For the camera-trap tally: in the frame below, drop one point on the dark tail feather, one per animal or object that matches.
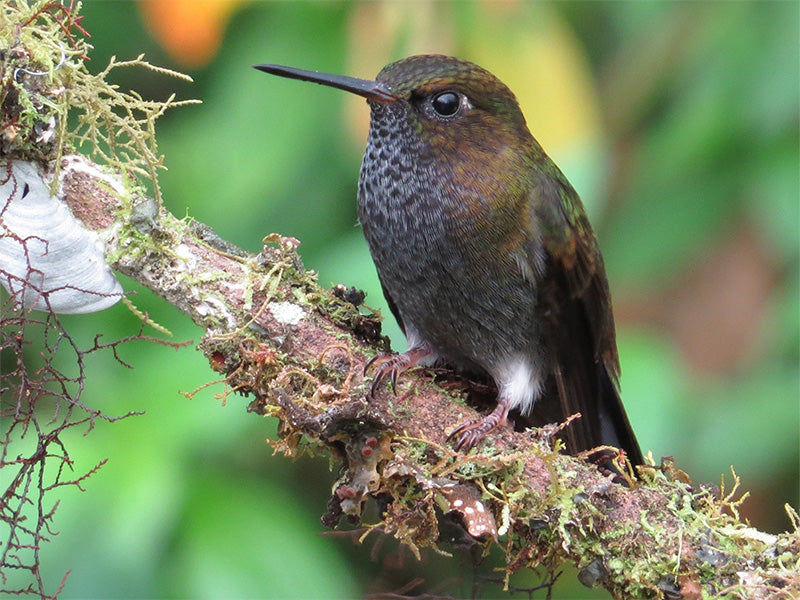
(614, 425)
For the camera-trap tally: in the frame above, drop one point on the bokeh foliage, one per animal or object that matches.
(678, 124)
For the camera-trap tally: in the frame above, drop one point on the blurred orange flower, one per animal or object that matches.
(189, 30)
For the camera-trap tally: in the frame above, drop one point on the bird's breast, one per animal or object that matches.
(445, 260)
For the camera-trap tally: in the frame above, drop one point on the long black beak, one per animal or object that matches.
(372, 90)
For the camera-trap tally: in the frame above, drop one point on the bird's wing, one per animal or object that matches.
(575, 306)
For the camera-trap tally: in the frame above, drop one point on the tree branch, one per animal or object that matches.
(300, 351)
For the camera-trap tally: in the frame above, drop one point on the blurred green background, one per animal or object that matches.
(678, 124)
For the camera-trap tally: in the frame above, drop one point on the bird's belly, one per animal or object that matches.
(472, 311)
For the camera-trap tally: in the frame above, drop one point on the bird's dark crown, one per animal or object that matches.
(423, 75)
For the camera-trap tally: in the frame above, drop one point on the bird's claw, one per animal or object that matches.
(467, 435)
(392, 365)
(387, 364)
(470, 433)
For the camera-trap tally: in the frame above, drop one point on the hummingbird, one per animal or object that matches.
(484, 251)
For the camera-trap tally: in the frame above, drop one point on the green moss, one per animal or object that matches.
(45, 81)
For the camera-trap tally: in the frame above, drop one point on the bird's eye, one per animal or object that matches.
(446, 104)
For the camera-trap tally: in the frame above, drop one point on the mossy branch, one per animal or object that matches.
(299, 352)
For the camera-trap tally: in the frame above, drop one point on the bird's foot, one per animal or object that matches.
(467, 435)
(610, 462)
(392, 365)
